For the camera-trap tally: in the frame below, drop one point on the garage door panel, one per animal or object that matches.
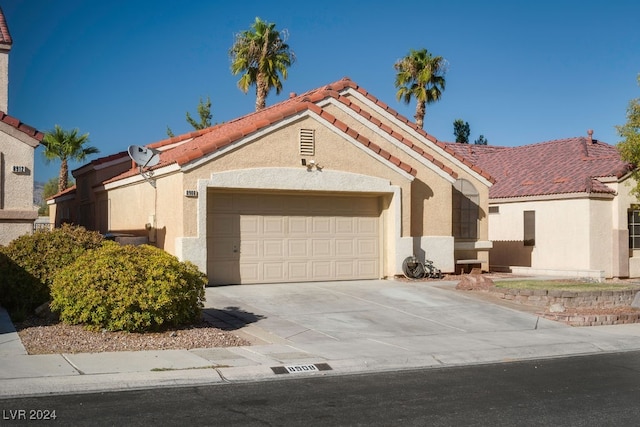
(250, 248)
(298, 248)
(273, 248)
(367, 225)
(249, 272)
(298, 271)
(366, 268)
(321, 225)
(345, 225)
(224, 225)
(345, 247)
(299, 225)
(345, 269)
(367, 247)
(273, 225)
(321, 270)
(320, 248)
(273, 271)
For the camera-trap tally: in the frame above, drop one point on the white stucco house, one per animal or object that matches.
(332, 184)
(18, 142)
(561, 207)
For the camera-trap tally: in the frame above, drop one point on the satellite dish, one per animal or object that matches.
(143, 156)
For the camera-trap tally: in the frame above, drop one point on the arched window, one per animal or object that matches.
(466, 200)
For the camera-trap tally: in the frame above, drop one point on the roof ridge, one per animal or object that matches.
(5, 35)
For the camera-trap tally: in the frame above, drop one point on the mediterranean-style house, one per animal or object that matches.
(331, 184)
(561, 207)
(18, 142)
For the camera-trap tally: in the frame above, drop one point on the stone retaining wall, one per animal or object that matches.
(546, 298)
(568, 305)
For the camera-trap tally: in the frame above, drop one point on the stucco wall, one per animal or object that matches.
(562, 232)
(135, 208)
(17, 210)
(17, 188)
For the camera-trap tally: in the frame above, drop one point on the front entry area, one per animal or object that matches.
(293, 237)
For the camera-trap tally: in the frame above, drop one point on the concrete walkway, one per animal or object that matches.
(319, 329)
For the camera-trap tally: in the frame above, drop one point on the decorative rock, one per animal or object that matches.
(557, 308)
(474, 282)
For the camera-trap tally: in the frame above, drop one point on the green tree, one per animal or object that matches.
(64, 145)
(481, 140)
(50, 188)
(262, 56)
(461, 131)
(420, 75)
(204, 112)
(629, 147)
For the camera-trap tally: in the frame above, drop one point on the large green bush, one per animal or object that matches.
(28, 264)
(130, 288)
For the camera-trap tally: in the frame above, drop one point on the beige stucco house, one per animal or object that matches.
(328, 185)
(561, 207)
(18, 142)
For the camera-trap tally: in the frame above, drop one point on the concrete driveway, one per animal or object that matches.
(424, 323)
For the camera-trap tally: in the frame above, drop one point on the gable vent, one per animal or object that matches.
(307, 142)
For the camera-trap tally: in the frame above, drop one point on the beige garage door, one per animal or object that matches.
(271, 238)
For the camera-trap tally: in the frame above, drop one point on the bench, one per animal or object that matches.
(467, 265)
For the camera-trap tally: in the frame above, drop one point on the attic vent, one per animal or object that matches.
(307, 142)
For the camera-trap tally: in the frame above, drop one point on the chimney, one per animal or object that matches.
(590, 133)
(292, 95)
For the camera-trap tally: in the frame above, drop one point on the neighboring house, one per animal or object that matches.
(329, 185)
(17, 147)
(561, 207)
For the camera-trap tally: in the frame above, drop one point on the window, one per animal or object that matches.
(529, 228)
(465, 210)
(307, 142)
(633, 221)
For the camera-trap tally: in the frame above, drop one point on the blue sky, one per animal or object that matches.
(520, 72)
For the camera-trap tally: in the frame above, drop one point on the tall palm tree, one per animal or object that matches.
(262, 55)
(66, 145)
(420, 75)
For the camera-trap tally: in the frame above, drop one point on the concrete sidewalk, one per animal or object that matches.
(324, 328)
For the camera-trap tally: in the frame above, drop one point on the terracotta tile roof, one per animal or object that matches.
(186, 148)
(5, 36)
(63, 192)
(555, 167)
(22, 127)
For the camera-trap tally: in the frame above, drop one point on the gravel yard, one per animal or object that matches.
(44, 336)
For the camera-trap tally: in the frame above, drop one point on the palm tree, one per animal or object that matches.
(262, 55)
(66, 145)
(421, 76)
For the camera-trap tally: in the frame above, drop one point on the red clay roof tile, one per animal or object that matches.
(5, 36)
(555, 167)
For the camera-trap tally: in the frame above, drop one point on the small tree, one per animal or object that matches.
(204, 112)
(461, 131)
(481, 140)
(50, 188)
(629, 147)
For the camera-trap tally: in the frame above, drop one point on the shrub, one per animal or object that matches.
(20, 292)
(130, 288)
(30, 262)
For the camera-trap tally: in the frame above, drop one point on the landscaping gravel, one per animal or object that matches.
(45, 336)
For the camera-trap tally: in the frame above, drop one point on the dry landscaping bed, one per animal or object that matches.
(45, 335)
